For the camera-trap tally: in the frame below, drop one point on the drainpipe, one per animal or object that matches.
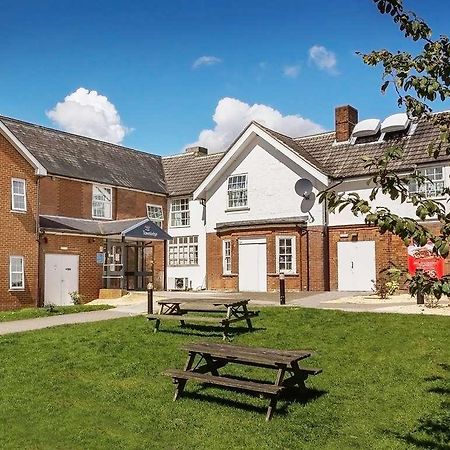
(39, 265)
(326, 240)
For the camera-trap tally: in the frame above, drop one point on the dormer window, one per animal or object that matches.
(101, 202)
(433, 186)
(237, 191)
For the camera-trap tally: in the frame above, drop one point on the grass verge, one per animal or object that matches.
(385, 385)
(32, 313)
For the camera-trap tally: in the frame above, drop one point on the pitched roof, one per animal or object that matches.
(186, 171)
(345, 160)
(80, 157)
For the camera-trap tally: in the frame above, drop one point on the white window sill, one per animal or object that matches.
(17, 290)
(290, 274)
(20, 211)
(183, 265)
(230, 274)
(101, 218)
(240, 208)
(179, 226)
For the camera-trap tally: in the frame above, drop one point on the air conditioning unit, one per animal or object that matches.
(178, 284)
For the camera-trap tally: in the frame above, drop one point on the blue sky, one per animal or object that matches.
(140, 55)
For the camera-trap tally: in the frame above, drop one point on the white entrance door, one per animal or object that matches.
(253, 265)
(356, 265)
(61, 277)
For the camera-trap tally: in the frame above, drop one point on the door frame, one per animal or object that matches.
(58, 253)
(252, 241)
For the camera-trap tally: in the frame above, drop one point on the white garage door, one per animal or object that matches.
(252, 265)
(356, 265)
(61, 277)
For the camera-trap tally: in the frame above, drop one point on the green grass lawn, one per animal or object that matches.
(385, 385)
(31, 313)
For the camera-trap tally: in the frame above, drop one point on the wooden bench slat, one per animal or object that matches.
(185, 317)
(311, 370)
(245, 385)
(247, 354)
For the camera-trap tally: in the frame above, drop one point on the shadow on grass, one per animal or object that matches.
(290, 396)
(190, 329)
(432, 432)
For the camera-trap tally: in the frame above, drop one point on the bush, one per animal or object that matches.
(77, 298)
(388, 282)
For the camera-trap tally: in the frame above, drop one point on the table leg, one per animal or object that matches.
(182, 383)
(212, 366)
(226, 329)
(157, 323)
(274, 399)
(248, 320)
(298, 376)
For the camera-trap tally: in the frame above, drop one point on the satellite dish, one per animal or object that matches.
(308, 203)
(303, 187)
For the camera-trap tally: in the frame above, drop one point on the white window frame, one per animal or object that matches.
(157, 219)
(231, 203)
(226, 257)
(183, 251)
(103, 202)
(180, 214)
(22, 273)
(13, 195)
(437, 184)
(293, 269)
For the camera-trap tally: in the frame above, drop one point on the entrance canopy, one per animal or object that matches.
(139, 229)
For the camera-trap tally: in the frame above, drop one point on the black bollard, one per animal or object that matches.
(282, 290)
(420, 298)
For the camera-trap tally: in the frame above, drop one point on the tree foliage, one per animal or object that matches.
(418, 80)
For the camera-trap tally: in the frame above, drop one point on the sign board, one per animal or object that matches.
(423, 258)
(100, 257)
(148, 231)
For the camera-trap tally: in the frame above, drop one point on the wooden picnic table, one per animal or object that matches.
(212, 357)
(222, 312)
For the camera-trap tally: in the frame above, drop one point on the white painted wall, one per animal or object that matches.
(271, 195)
(362, 187)
(196, 274)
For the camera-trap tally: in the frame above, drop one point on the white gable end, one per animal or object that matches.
(271, 176)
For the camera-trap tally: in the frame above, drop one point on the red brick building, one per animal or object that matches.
(75, 216)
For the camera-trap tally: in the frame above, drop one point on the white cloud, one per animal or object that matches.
(323, 58)
(206, 61)
(90, 114)
(232, 116)
(291, 71)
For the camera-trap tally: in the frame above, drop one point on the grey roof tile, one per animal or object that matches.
(80, 157)
(186, 171)
(345, 160)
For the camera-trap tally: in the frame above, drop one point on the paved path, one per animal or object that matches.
(18, 326)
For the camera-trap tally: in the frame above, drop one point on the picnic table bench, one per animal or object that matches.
(212, 357)
(222, 312)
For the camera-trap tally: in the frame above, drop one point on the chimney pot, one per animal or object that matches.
(197, 151)
(346, 117)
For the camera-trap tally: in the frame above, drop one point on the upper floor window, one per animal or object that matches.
(432, 186)
(286, 254)
(155, 214)
(179, 213)
(227, 257)
(16, 273)
(183, 251)
(18, 195)
(237, 191)
(101, 202)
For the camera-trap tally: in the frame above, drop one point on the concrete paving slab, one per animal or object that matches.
(18, 326)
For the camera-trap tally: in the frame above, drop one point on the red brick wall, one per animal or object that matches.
(90, 273)
(18, 229)
(71, 198)
(389, 250)
(314, 270)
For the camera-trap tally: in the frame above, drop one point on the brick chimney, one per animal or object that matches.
(346, 117)
(197, 151)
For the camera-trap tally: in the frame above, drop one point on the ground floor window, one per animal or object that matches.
(183, 251)
(226, 257)
(16, 273)
(286, 254)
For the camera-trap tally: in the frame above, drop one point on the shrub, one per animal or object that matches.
(77, 298)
